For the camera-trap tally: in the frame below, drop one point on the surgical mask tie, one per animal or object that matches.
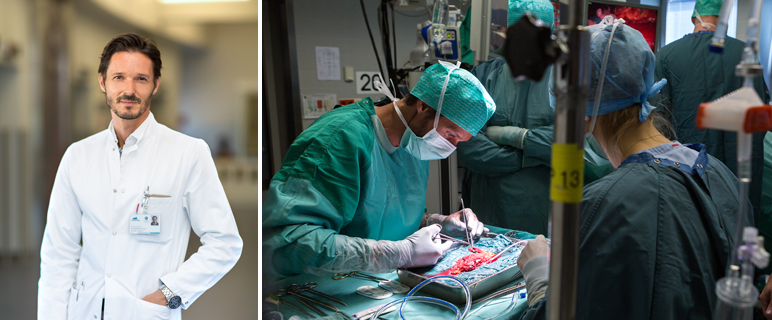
(703, 24)
(432, 146)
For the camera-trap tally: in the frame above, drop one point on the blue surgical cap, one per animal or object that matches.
(466, 102)
(629, 71)
(542, 9)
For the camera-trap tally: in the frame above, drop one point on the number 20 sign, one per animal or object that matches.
(366, 81)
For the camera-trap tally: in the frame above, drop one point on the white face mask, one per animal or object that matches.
(432, 146)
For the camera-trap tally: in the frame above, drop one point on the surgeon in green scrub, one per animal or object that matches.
(695, 76)
(655, 235)
(351, 192)
(507, 166)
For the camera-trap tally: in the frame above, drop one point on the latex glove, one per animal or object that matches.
(510, 135)
(423, 248)
(535, 268)
(453, 225)
(534, 248)
(766, 298)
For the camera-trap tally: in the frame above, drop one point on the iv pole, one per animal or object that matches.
(529, 50)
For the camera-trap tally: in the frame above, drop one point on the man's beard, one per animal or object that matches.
(128, 115)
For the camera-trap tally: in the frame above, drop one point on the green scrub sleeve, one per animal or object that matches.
(484, 156)
(537, 146)
(310, 247)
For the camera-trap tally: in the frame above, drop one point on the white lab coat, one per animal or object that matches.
(95, 193)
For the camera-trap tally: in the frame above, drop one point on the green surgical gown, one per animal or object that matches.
(506, 186)
(653, 241)
(338, 179)
(695, 75)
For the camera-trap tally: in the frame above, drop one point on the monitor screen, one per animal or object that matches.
(641, 19)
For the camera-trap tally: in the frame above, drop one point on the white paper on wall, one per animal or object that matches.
(328, 63)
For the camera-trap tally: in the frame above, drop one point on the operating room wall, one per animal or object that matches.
(339, 23)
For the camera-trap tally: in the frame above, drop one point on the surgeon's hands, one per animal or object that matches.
(535, 248)
(424, 247)
(765, 298)
(454, 226)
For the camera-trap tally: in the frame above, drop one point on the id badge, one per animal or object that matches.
(145, 224)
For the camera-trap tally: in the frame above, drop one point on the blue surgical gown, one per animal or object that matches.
(695, 75)
(654, 239)
(338, 177)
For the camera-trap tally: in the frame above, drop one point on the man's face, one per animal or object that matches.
(128, 84)
(424, 122)
(155, 219)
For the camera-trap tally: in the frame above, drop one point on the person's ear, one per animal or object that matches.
(102, 82)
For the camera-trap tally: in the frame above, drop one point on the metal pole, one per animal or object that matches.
(572, 80)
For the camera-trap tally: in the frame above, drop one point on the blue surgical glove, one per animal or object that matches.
(509, 135)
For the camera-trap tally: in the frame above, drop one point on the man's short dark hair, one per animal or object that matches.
(131, 42)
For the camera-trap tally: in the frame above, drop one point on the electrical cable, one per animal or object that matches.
(415, 16)
(394, 42)
(370, 32)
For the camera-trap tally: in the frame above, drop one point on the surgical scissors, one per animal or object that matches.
(295, 292)
(309, 287)
(358, 275)
(279, 301)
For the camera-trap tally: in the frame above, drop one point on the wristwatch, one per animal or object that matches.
(172, 301)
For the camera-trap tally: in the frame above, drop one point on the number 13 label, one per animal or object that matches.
(567, 177)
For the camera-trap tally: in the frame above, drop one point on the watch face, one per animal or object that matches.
(175, 302)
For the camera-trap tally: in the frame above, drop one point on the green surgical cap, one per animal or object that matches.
(466, 102)
(542, 9)
(707, 7)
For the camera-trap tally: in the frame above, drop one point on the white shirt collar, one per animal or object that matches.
(136, 136)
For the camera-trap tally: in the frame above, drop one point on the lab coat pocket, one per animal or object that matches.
(149, 310)
(164, 209)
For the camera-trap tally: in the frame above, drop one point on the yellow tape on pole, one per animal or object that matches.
(567, 173)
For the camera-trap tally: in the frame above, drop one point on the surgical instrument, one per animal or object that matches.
(499, 293)
(359, 275)
(466, 223)
(279, 301)
(309, 299)
(505, 250)
(449, 238)
(309, 287)
(283, 292)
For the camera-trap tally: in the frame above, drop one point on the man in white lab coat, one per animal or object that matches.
(107, 188)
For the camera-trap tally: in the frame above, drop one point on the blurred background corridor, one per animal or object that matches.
(50, 98)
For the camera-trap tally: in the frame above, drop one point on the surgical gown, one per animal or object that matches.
(695, 75)
(506, 186)
(654, 239)
(339, 178)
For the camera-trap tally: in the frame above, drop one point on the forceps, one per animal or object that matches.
(466, 224)
(309, 287)
(358, 275)
(293, 291)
